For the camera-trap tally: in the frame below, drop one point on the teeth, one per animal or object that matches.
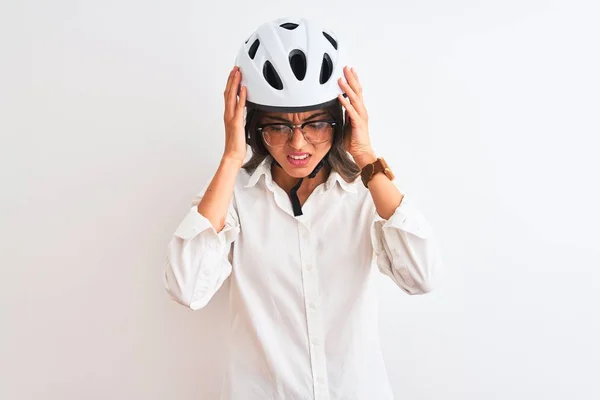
(299, 157)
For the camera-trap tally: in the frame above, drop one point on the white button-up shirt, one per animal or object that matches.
(304, 311)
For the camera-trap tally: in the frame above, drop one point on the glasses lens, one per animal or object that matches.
(314, 132)
(276, 135)
(318, 132)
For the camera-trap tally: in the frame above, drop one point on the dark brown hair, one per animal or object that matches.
(338, 158)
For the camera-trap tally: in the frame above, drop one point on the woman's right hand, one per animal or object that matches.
(235, 135)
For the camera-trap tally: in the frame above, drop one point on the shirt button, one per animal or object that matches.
(320, 380)
(312, 305)
(308, 267)
(315, 341)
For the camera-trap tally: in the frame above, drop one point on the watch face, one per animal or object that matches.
(386, 169)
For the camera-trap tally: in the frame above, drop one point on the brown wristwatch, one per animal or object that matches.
(369, 170)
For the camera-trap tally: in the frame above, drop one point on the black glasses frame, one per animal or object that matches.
(260, 129)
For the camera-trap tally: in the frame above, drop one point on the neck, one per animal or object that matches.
(286, 182)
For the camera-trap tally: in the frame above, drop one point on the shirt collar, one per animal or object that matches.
(334, 177)
(264, 168)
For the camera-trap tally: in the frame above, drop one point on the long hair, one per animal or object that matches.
(338, 158)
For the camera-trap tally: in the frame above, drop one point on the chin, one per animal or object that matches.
(299, 172)
(295, 171)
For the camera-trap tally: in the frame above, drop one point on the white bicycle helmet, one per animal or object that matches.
(291, 65)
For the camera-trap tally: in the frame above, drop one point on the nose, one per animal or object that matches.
(297, 140)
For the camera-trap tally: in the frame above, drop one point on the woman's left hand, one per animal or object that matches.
(356, 133)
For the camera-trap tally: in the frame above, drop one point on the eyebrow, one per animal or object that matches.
(287, 120)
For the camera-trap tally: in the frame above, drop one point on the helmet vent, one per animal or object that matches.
(298, 63)
(326, 69)
(272, 76)
(253, 48)
(331, 40)
(289, 26)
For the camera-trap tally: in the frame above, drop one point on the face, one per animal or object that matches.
(299, 157)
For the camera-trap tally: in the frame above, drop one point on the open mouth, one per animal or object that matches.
(299, 159)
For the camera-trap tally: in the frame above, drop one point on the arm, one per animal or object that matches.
(198, 254)
(218, 194)
(404, 246)
(386, 195)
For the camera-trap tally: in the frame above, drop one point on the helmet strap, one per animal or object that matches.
(294, 191)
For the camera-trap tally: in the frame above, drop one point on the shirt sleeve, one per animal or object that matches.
(405, 248)
(198, 257)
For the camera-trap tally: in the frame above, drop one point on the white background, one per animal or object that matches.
(111, 121)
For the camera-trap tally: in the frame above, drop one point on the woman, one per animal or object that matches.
(294, 228)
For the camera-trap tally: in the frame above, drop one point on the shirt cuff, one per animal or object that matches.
(407, 218)
(195, 223)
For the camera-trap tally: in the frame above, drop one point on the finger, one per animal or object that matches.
(229, 81)
(351, 79)
(354, 98)
(228, 114)
(357, 82)
(357, 88)
(242, 102)
(232, 95)
(350, 110)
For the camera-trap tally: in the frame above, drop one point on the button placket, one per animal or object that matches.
(310, 285)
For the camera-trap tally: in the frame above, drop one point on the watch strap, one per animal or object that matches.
(369, 171)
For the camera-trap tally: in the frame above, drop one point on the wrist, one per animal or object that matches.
(233, 161)
(364, 159)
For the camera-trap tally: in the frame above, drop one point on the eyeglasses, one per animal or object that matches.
(315, 132)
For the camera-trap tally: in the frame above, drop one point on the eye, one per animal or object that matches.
(277, 128)
(319, 125)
